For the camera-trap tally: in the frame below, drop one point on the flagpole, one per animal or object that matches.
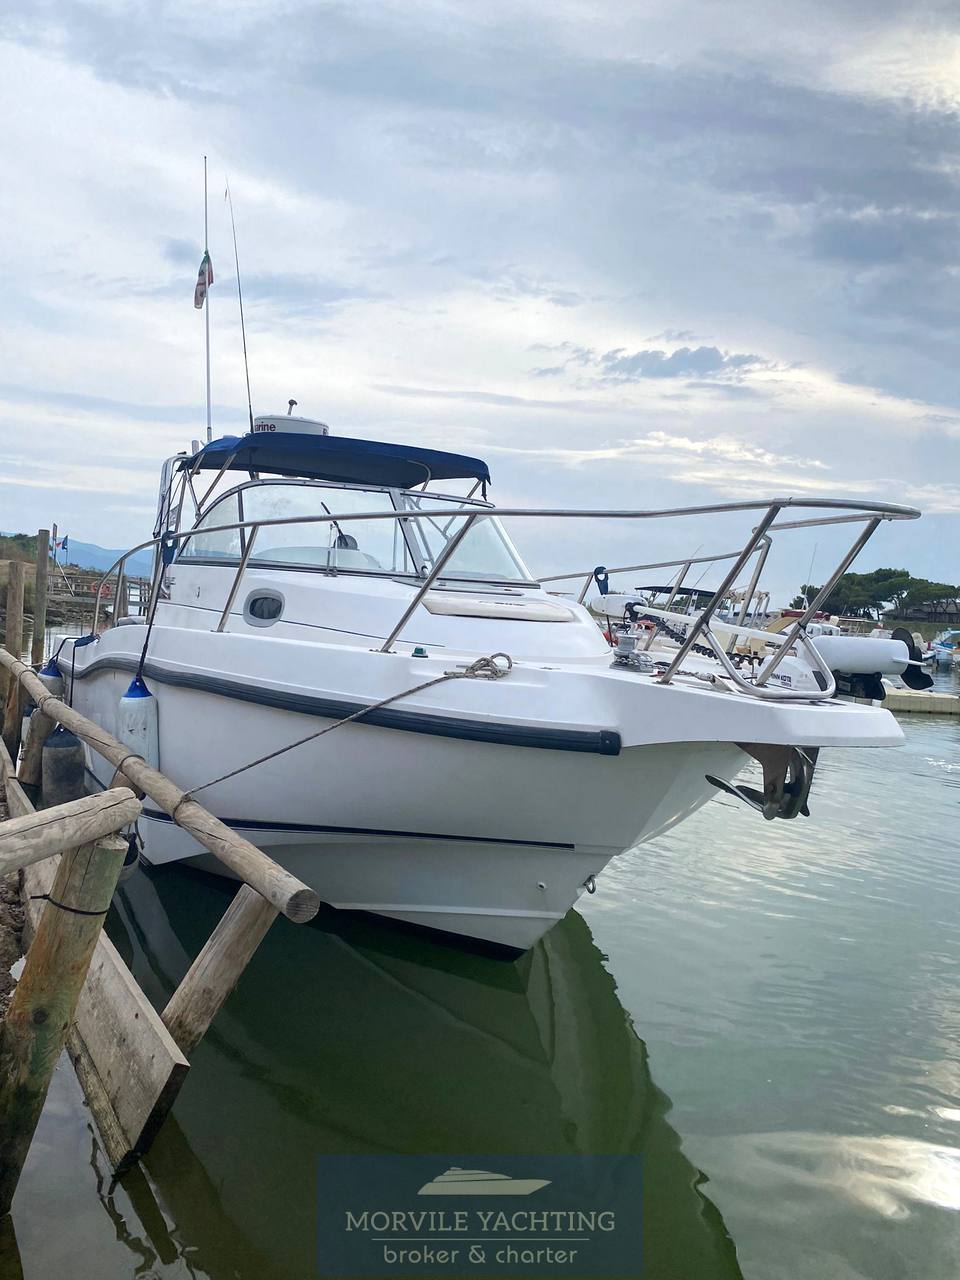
(206, 298)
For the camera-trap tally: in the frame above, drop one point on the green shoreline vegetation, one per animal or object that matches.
(887, 594)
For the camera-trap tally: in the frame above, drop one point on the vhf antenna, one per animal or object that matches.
(243, 332)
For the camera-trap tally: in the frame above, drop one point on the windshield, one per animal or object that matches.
(225, 545)
(363, 546)
(371, 546)
(486, 553)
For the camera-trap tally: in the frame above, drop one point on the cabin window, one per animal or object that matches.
(215, 546)
(263, 608)
(365, 546)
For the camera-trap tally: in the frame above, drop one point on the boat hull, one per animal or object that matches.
(482, 807)
(486, 841)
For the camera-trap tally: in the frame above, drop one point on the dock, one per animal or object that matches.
(74, 991)
(927, 702)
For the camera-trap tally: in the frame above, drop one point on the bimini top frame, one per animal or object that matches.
(842, 511)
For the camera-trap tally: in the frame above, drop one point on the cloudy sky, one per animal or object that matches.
(635, 256)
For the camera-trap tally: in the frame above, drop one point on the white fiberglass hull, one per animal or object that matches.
(417, 855)
(489, 842)
(478, 809)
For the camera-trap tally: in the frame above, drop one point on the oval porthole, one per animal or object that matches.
(263, 608)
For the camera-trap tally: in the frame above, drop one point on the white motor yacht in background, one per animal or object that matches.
(319, 576)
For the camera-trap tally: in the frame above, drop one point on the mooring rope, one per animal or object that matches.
(62, 906)
(483, 669)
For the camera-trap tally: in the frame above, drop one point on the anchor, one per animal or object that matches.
(787, 777)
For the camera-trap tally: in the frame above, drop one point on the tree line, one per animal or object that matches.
(885, 591)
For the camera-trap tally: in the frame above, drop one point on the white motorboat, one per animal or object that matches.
(945, 648)
(333, 582)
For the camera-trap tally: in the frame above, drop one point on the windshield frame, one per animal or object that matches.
(412, 498)
(402, 499)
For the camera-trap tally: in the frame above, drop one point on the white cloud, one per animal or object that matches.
(432, 200)
(663, 446)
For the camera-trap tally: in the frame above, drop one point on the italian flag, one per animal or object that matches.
(204, 280)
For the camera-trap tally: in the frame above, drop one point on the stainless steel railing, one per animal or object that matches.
(758, 543)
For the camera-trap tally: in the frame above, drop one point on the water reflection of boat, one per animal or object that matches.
(357, 1037)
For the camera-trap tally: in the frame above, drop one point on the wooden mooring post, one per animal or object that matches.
(35, 1029)
(40, 597)
(13, 639)
(217, 969)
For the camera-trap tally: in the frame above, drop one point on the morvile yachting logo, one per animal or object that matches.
(479, 1182)
(466, 1216)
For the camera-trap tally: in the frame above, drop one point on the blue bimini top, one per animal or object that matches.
(337, 458)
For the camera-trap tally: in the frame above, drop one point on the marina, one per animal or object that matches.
(480, 642)
(133, 1045)
(333, 586)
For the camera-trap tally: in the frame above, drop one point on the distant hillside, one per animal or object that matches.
(18, 546)
(85, 555)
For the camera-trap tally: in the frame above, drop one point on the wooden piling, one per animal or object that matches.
(40, 597)
(120, 598)
(31, 759)
(44, 1003)
(128, 1066)
(217, 969)
(13, 639)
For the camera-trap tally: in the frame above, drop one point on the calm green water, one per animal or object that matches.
(796, 1091)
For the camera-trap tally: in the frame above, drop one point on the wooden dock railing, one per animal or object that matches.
(129, 1058)
(34, 1031)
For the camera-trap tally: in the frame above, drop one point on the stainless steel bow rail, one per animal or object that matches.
(841, 511)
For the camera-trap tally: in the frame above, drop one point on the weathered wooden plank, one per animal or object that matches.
(114, 1140)
(36, 1024)
(137, 1061)
(36, 836)
(217, 969)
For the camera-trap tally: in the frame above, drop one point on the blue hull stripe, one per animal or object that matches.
(603, 742)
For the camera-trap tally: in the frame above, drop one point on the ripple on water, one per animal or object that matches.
(797, 984)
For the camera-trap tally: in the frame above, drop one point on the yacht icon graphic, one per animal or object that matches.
(480, 1182)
